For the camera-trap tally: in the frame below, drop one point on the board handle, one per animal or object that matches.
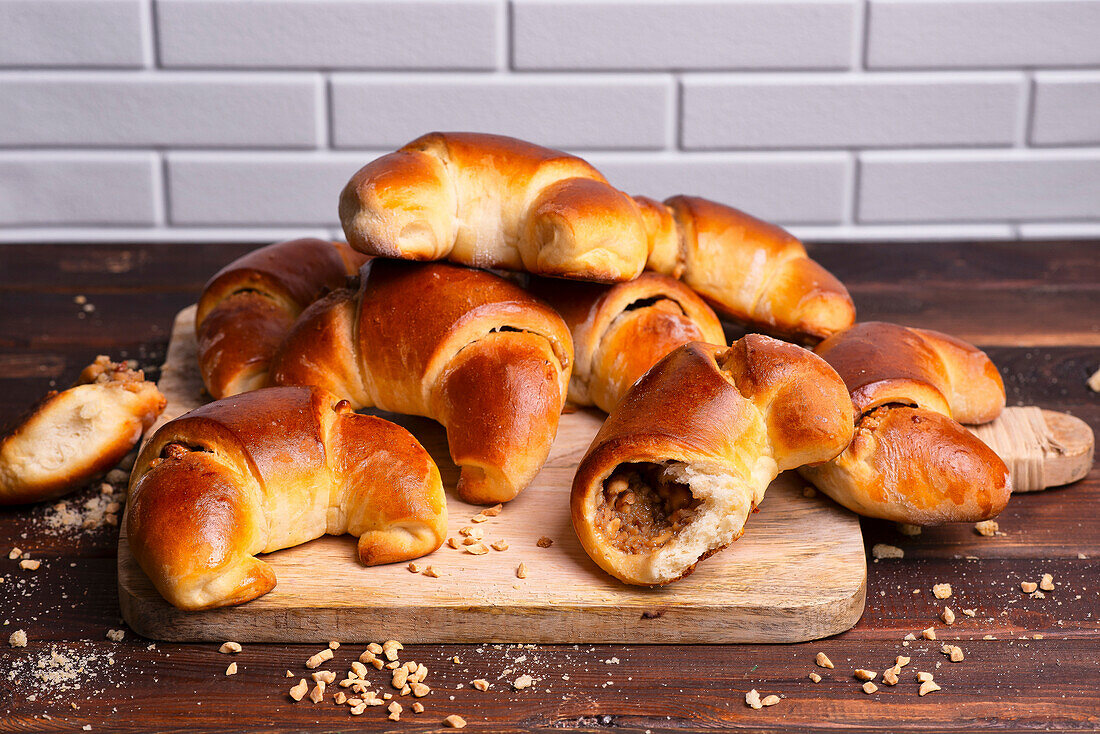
(1042, 448)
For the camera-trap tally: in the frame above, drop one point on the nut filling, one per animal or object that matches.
(641, 508)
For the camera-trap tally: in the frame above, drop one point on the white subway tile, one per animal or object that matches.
(982, 33)
(1066, 107)
(591, 111)
(72, 33)
(54, 188)
(164, 108)
(929, 186)
(783, 34)
(781, 187)
(867, 110)
(464, 34)
(259, 189)
(905, 233)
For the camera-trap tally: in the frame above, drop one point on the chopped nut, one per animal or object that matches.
(884, 550)
(1028, 586)
(524, 681)
(414, 568)
(890, 677)
(910, 636)
(417, 707)
(521, 571)
(421, 673)
(358, 709)
(481, 684)
(863, 674)
(420, 689)
(823, 661)
(910, 530)
(232, 669)
(480, 517)
(954, 652)
(452, 542)
(771, 700)
(366, 657)
(299, 691)
(752, 698)
(929, 634)
(948, 616)
(378, 663)
(14, 553)
(339, 698)
(288, 675)
(333, 645)
(500, 545)
(544, 542)
(116, 635)
(318, 692)
(321, 657)
(394, 708)
(970, 612)
(399, 677)
(924, 677)
(410, 667)
(28, 565)
(230, 648)
(988, 528)
(942, 591)
(455, 721)
(374, 648)
(928, 687)
(477, 549)
(869, 687)
(325, 676)
(392, 665)
(390, 648)
(359, 668)
(492, 511)
(430, 571)
(815, 677)
(470, 541)
(405, 689)
(1047, 582)
(901, 661)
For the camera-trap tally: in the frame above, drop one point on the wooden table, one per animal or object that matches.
(1034, 306)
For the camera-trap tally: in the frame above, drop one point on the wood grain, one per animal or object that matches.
(764, 588)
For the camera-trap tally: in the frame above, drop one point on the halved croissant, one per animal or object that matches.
(463, 347)
(494, 202)
(620, 331)
(685, 457)
(270, 469)
(248, 307)
(77, 434)
(910, 461)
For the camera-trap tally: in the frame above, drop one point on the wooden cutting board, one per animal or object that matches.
(799, 573)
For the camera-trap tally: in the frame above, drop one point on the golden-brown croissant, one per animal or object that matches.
(77, 434)
(685, 457)
(248, 307)
(494, 202)
(270, 469)
(621, 330)
(464, 347)
(910, 461)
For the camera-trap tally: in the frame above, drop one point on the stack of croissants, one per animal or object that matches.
(486, 282)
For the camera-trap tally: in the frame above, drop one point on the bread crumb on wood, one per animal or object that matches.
(923, 677)
(326, 676)
(333, 645)
(524, 681)
(453, 542)
(863, 674)
(928, 634)
(431, 572)
(521, 571)
(869, 687)
(414, 568)
(771, 700)
(317, 660)
(890, 677)
(885, 550)
(942, 591)
(318, 692)
(815, 677)
(230, 648)
(477, 549)
(14, 553)
(500, 545)
(492, 511)
(479, 518)
(987, 528)
(455, 721)
(947, 616)
(18, 639)
(822, 660)
(1028, 586)
(752, 698)
(927, 687)
(1047, 582)
(232, 669)
(901, 661)
(970, 612)
(544, 542)
(298, 692)
(116, 635)
(910, 530)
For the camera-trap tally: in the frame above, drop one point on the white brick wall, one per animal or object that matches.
(843, 119)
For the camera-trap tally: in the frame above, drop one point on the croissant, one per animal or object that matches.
(464, 347)
(620, 331)
(491, 201)
(674, 472)
(77, 434)
(271, 469)
(248, 307)
(910, 461)
(749, 270)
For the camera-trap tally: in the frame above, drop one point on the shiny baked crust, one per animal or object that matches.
(72, 436)
(270, 469)
(722, 422)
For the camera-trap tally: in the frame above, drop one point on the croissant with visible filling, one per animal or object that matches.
(686, 456)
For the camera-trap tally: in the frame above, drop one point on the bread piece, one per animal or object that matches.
(270, 469)
(620, 331)
(248, 307)
(77, 434)
(910, 462)
(464, 347)
(687, 454)
(749, 270)
(494, 202)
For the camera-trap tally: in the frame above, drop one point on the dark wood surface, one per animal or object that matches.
(1034, 306)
